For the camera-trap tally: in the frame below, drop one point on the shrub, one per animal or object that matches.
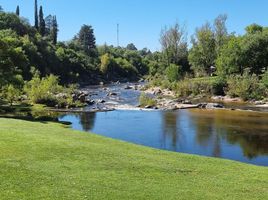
(11, 93)
(245, 86)
(173, 73)
(264, 79)
(43, 90)
(218, 86)
(47, 91)
(145, 100)
(193, 87)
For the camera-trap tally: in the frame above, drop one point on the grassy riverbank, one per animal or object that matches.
(40, 160)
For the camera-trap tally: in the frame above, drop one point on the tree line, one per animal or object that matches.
(30, 50)
(214, 55)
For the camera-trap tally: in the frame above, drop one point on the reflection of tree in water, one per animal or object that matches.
(249, 132)
(207, 134)
(87, 120)
(170, 128)
(253, 145)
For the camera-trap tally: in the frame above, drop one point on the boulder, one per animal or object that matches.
(148, 107)
(186, 102)
(202, 105)
(82, 98)
(157, 92)
(101, 101)
(128, 87)
(61, 95)
(90, 102)
(214, 106)
(259, 102)
(112, 94)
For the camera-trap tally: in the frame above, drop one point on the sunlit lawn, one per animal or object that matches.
(49, 161)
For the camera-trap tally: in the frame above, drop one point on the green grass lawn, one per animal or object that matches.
(49, 161)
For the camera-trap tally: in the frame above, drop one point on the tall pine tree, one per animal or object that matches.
(35, 15)
(54, 30)
(86, 38)
(42, 23)
(18, 11)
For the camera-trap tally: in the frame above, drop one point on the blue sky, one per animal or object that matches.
(141, 20)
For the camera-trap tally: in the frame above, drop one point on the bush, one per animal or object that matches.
(264, 79)
(145, 100)
(11, 94)
(173, 73)
(47, 91)
(43, 90)
(193, 87)
(245, 86)
(218, 86)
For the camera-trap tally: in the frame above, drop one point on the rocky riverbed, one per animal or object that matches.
(125, 96)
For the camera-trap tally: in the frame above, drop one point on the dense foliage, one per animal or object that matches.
(239, 62)
(26, 48)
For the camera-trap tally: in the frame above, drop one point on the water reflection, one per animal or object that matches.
(253, 144)
(249, 130)
(236, 135)
(87, 120)
(208, 134)
(170, 129)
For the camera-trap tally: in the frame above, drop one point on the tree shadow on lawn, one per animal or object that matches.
(27, 113)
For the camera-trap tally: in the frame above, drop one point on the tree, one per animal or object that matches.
(1, 9)
(87, 39)
(18, 11)
(12, 56)
(103, 49)
(255, 51)
(249, 51)
(173, 41)
(254, 28)
(54, 30)
(42, 23)
(13, 22)
(105, 61)
(230, 59)
(131, 47)
(203, 53)
(221, 33)
(35, 15)
(145, 52)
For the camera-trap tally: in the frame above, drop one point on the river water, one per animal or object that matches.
(228, 134)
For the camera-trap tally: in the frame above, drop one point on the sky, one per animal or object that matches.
(140, 21)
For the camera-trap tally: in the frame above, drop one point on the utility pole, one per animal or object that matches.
(117, 35)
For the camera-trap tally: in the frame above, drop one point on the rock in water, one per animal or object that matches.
(128, 87)
(101, 101)
(112, 94)
(90, 102)
(214, 106)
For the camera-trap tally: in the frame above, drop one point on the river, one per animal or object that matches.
(223, 133)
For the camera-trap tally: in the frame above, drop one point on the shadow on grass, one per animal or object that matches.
(29, 113)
